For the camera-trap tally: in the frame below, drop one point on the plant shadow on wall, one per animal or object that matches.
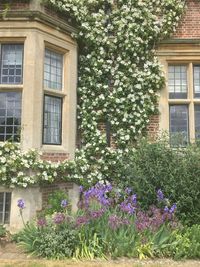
(109, 224)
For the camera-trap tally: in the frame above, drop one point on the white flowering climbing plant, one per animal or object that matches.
(119, 77)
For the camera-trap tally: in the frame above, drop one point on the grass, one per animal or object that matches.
(120, 263)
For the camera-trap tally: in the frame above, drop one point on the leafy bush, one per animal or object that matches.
(57, 202)
(187, 243)
(50, 240)
(3, 231)
(176, 171)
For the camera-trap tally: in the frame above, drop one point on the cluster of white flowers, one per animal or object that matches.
(119, 77)
(19, 168)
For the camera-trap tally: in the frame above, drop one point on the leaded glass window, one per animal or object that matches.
(196, 71)
(52, 122)
(197, 121)
(11, 63)
(10, 116)
(5, 204)
(177, 81)
(179, 125)
(53, 69)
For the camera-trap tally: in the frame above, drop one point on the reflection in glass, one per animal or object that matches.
(179, 126)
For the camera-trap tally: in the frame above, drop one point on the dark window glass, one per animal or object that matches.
(53, 68)
(196, 74)
(197, 121)
(10, 116)
(52, 121)
(11, 63)
(5, 203)
(179, 126)
(177, 81)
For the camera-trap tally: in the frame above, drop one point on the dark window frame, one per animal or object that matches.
(61, 126)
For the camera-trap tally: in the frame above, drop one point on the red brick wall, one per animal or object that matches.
(189, 26)
(48, 189)
(55, 157)
(153, 127)
(14, 5)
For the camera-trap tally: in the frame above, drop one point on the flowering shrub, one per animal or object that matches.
(119, 75)
(18, 168)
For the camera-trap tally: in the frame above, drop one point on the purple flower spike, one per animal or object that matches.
(64, 203)
(160, 195)
(21, 203)
(81, 189)
(166, 209)
(173, 208)
(134, 198)
(128, 190)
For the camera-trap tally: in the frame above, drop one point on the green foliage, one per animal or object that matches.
(187, 243)
(110, 224)
(57, 244)
(3, 231)
(89, 248)
(29, 238)
(51, 241)
(176, 171)
(54, 202)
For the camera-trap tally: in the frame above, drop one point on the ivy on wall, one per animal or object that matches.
(119, 78)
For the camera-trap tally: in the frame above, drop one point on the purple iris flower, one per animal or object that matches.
(128, 190)
(64, 203)
(21, 203)
(160, 195)
(134, 198)
(166, 209)
(172, 209)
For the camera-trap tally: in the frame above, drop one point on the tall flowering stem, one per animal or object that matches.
(21, 206)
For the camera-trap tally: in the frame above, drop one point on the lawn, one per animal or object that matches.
(121, 263)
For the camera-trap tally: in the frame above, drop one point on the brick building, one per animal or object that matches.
(38, 77)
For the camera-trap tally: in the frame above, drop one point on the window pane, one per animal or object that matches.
(196, 74)
(197, 121)
(11, 63)
(177, 81)
(53, 67)
(179, 127)
(52, 123)
(5, 204)
(10, 115)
